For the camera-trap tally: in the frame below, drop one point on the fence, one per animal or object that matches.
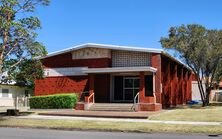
(21, 103)
(216, 95)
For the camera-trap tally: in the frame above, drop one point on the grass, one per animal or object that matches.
(109, 126)
(195, 113)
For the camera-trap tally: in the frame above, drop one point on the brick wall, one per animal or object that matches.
(176, 83)
(156, 63)
(58, 85)
(67, 84)
(65, 60)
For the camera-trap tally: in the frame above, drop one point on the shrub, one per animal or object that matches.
(58, 101)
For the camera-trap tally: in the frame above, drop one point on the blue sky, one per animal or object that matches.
(66, 23)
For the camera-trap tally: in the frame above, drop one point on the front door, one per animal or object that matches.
(125, 88)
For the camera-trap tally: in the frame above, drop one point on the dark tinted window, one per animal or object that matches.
(149, 85)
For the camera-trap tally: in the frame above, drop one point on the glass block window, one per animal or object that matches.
(5, 93)
(130, 59)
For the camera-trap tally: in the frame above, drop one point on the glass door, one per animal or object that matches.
(130, 88)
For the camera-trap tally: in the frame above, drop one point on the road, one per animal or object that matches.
(18, 133)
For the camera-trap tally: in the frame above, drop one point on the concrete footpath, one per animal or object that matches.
(41, 117)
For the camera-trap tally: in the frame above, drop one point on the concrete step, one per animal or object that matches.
(111, 107)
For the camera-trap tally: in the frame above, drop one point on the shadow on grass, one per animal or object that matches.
(196, 106)
(215, 104)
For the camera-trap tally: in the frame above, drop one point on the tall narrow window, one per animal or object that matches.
(149, 85)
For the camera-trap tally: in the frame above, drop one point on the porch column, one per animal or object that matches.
(91, 89)
(154, 85)
(156, 63)
(142, 87)
(147, 103)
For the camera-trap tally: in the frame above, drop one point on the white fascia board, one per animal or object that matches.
(62, 51)
(119, 69)
(126, 48)
(104, 46)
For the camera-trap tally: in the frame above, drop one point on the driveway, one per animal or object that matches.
(17, 133)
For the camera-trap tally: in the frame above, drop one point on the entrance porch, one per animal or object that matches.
(127, 85)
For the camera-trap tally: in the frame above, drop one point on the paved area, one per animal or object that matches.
(118, 120)
(17, 133)
(104, 114)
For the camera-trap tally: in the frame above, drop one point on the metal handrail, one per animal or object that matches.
(92, 95)
(136, 96)
(154, 95)
(134, 100)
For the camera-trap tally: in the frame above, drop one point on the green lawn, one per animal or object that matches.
(207, 114)
(109, 126)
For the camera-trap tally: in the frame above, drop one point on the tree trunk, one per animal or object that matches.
(206, 101)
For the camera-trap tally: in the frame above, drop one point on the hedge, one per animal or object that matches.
(58, 101)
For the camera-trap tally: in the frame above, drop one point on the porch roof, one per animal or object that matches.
(119, 69)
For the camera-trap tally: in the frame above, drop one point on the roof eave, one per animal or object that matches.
(176, 60)
(104, 46)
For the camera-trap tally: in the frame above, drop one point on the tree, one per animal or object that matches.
(26, 73)
(218, 74)
(201, 50)
(18, 35)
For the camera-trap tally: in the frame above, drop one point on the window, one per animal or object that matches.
(149, 85)
(26, 93)
(5, 93)
(131, 87)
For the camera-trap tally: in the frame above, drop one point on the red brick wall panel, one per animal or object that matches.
(79, 106)
(55, 85)
(149, 107)
(58, 85)
(65, 60)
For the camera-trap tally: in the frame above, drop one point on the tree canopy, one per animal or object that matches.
(201, 50)
(18, 44)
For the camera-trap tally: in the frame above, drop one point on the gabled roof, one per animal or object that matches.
(114, 47)
(105, 46)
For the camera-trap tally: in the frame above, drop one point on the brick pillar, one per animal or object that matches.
(156, 63)
(167, 86)
(189, 86)
(182, 87)
(91, 88)
(186, 87)
(146, 103)
(175, 84)
(142, 88)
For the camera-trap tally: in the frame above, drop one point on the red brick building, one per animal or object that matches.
(149, 78)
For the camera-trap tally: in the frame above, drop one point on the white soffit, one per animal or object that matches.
(119, 69)
(69, 71)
